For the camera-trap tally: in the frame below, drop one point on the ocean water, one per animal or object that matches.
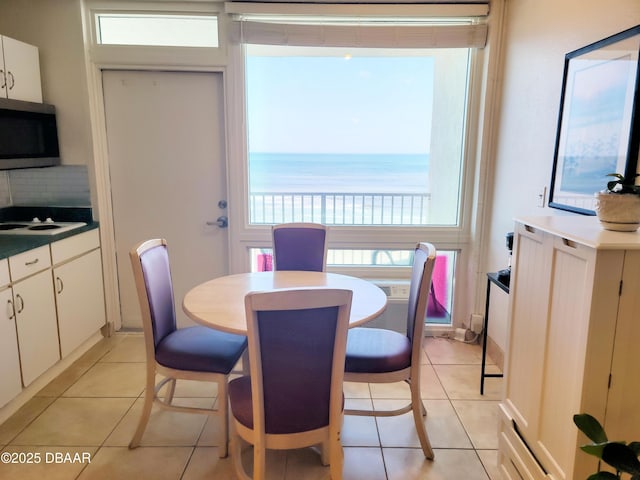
(339, 173)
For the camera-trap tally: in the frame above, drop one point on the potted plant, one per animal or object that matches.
(618, 207)
(621, 456)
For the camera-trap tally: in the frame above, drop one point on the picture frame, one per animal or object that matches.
(598, 122)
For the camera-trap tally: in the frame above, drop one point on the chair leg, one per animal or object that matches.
(223, 404)
(171, 390)
(149, 394)
(236, 456)
(259, 462)
(336, 457)
(419, 410)
(325, 455)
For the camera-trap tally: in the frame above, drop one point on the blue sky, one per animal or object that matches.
(339, 104)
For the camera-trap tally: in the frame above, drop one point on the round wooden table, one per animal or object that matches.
(219, 303)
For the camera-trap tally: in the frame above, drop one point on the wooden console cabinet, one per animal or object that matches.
(573, 332)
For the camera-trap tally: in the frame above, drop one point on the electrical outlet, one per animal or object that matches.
(542, 197)
(477, 323)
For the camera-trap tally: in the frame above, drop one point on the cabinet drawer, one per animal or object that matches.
(4, 273)
(70, 247)
(30, 262)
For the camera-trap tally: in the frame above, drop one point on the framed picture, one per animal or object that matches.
(598, 124)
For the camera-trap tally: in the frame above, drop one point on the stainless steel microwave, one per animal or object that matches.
(28, 135)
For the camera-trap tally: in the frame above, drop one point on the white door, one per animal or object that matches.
(165, 133)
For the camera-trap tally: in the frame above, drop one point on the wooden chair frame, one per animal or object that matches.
(328, 437)
(171, 375)
(411, 374)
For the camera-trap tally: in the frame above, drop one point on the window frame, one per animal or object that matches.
(456, 238)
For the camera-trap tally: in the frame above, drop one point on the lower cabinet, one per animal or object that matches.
(36, 325)
(11, 384)
(80, 300)
(572, 344)
(51, 302)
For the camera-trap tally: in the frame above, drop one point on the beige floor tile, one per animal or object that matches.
(462, 382)
(75, 421)
(305, 464)
(66, 379)
(443, 351)
(210, 436)
(390, 390)
(489, 459)
(404, 463)
(356, 390)
(52, 463)
(480, 420)
(130, 348)
(22, 418)
(363, 464)
(443, 426)
(205, 464)
(192, 388)
(120, 463)
(165, 428)
(359, 431)
(276, 463)
(430, 386)
(110, 380)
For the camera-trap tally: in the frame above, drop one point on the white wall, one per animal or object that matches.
(538, 34)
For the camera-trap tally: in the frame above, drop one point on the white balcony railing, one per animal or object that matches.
(339, 208)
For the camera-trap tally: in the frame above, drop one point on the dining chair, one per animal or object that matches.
(191, 353)
(293, 395)
(377, 355)
(300, 246)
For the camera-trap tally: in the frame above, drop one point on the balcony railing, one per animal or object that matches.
(339, 208)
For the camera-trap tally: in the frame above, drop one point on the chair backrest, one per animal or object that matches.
(150, 262)
(297, 341)
(424, 259)
(300, 246)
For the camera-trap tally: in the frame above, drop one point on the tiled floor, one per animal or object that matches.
(91, 410)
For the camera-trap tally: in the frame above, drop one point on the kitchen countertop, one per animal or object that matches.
(14, 244)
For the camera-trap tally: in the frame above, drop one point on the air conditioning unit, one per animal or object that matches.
(395, 315)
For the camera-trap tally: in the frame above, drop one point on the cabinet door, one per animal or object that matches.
(11, 385)
(529, 300)
(36, 325)
(80, 300)
(22, 71)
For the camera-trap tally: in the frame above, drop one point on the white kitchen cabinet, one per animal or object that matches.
(20, 71)
(77, 274)
(36, 324)
(573, 331)
(11, 383)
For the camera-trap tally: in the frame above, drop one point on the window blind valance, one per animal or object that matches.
(381, 36)
(441, 25)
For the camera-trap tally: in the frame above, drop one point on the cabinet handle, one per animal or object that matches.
(4, 79)
(11, 311)
(32, 262)
(60, 285)
(20, 303)
(13, 80)
(569, 243)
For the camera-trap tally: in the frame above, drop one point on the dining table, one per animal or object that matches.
(219, 303)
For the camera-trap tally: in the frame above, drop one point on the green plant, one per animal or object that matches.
(620, 455)
(623, 184)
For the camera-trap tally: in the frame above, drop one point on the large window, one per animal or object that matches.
(355, 136)
(367, 128)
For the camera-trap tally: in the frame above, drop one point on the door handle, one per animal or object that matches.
(222, 221)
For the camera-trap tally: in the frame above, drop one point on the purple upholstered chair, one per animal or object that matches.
(300, 246)
(383, 356)
(192, 353)
(293, 396)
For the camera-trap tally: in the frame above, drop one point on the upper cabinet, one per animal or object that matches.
(19, 71)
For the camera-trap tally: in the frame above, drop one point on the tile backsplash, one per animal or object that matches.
(66, 185)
